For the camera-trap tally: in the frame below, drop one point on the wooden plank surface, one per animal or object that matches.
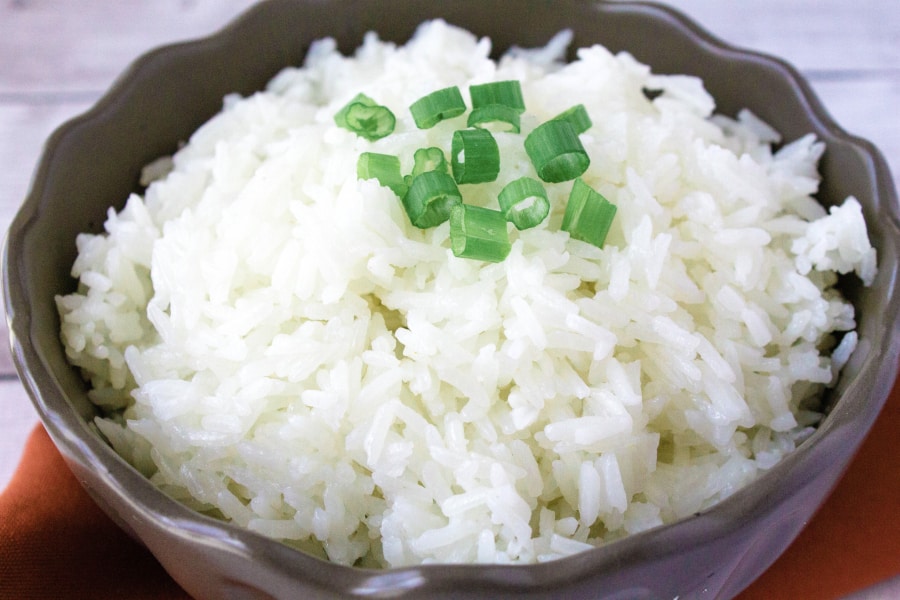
(57, 58)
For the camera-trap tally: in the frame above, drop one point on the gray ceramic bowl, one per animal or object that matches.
(92, 162)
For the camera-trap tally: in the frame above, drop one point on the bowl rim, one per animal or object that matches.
(80, 444)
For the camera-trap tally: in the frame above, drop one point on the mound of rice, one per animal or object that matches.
(273, 342)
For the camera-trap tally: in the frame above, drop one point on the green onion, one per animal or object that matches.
(524, 202)
(556, 151)
(478, 233)
(366, 118)
(341, 116)
(508, 93)
(383, 167)
(588, 214)
(429, 159)
(577, 117)
(430, 110)
(474, 156)
(371, 122)
(430, 197)
(501, 116)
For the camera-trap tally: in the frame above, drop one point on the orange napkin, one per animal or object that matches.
(56, 543)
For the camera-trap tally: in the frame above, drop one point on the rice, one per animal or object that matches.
(274, 344)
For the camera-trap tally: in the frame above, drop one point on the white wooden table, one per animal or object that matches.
(57, 58)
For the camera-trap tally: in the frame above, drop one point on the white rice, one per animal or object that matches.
(275, 344)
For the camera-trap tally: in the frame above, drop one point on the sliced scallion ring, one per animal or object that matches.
(474, 156)
(429, 159)
(556, 152)
(495, 117)
(341, 116)
(442, 104)
(430, 198)
(524, 202)
(588, 215)
(478, 233)
(577, 117)
(508, 93)
(383, 167)
(366, 118)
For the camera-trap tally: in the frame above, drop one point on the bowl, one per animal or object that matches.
(92, 162)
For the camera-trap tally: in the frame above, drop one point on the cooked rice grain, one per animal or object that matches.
(273, 343)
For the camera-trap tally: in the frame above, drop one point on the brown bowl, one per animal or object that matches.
(92, 162)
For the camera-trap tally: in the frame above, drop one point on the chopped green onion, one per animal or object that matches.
(508, 93)
(588, 214)
(371, 122)
(341, 116)
(577, 117)
(478, 233)
(556, 151)
(383, 167)
(524, 202)
(430, 197)
(474, 156)
(500, 116)
(429, 159)
(430, 110)
(366, 118)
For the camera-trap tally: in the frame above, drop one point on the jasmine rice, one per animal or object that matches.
(273, 343)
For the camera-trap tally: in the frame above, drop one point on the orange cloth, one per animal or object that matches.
(56, 543)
